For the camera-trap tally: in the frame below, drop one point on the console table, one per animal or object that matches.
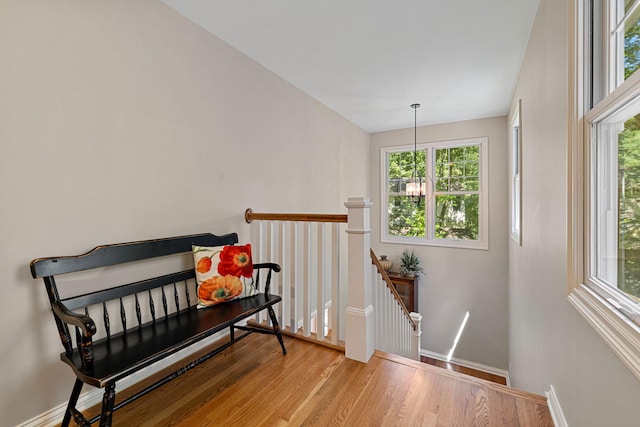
(407, 288)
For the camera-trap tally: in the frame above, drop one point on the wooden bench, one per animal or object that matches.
(163, 317)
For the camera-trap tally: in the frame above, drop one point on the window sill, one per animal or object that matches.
(417, 241)
(618, 332)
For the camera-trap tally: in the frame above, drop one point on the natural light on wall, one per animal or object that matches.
(455, 341)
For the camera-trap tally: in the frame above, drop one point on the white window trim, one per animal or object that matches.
(515, 183)
(617, 331)
(483, 239)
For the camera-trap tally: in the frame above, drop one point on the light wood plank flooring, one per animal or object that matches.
(253, 384)
(464, 370)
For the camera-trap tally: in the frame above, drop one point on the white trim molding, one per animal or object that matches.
(515, 181)
(555, 409)
(619, 332)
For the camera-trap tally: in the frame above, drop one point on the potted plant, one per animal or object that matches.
(409, 264)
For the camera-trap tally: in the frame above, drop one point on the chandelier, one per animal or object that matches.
(416, 187)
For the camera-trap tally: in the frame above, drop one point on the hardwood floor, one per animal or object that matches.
(253, 384)
(464, 370)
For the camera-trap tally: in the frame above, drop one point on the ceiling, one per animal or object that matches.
(369, 60)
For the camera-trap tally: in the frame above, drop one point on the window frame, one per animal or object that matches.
(597, 303)
(627, 96)
(515, 184)
(429, 239)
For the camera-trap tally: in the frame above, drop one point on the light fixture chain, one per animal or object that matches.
(415, 184)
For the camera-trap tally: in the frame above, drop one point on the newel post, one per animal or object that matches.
(415, 338)
(359, 322)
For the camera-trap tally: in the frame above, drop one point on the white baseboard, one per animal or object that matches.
(555, 409)
(54, 416)
(468, 364)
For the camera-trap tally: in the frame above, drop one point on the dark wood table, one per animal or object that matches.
(407, 288)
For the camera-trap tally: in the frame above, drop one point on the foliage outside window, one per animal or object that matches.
(457, 195)
(628, 279)
(453, 211)
(614, 250)
(404, 217)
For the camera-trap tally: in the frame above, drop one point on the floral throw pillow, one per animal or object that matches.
(223, 273)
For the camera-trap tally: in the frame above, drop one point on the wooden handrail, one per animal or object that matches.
(250, 215)
(387, 280)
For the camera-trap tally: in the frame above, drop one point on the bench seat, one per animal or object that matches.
(126, 353)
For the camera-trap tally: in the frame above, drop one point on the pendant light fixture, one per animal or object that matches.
(416, 187)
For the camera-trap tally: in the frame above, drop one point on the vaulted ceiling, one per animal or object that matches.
(369, 60)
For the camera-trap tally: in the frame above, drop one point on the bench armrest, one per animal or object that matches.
(270, 267)
(82, 322)
(85, 323)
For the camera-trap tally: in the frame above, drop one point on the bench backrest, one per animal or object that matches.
(122, 253)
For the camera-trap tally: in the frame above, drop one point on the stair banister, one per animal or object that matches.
(370, 316)
(308, 248)
(250, 216)
(397, 330)
(392, 289)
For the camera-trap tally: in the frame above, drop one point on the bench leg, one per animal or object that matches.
(77, 388)
(276, 328)
(108, 399)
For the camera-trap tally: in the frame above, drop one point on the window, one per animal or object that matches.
(614, 212)
(454, 211)
(605, 152)
(516, 166)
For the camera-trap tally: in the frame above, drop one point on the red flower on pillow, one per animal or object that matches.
(236, 261)
(204, 265)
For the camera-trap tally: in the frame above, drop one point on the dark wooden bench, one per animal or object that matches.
(163, 318)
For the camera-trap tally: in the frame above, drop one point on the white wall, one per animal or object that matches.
(121, 121)
(550, 343)
(459, 280)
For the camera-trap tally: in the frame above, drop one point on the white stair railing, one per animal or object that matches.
(312, 281)
(397, 330)
(351, 305)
